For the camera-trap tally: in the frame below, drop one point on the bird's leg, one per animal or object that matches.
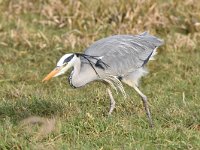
(144, 100)
(112, 101)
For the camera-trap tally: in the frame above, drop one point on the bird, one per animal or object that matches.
(113, 60)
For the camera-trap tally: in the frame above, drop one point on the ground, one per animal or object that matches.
(35, 34)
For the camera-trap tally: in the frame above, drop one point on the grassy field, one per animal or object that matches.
(35, 34)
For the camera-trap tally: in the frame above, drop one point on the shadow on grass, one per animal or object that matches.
(23, 108)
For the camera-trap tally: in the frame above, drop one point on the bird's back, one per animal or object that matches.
(124, 53)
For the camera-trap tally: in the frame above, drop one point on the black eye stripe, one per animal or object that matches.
(68, 59)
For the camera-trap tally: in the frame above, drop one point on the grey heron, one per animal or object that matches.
(115, 59)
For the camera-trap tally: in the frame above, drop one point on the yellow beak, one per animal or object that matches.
(51, 74)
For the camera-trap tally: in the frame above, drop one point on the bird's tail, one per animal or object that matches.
(153, 54)
(154, 40)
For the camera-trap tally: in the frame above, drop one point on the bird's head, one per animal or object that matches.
(65, 62)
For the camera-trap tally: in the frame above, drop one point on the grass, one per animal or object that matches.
(35, 34)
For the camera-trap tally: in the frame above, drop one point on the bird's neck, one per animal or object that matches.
(82, 74)
(75, 73)
(77, 68)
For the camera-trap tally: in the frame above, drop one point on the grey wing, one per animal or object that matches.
(124, 53)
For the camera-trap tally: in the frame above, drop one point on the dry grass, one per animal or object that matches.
(34, 34)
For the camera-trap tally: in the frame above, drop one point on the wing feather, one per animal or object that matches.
(124, 53)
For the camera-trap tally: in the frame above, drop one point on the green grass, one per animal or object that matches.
(35, 34)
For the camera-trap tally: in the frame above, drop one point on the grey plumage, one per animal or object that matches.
(124, 53)
(119, 58)
(115, 59)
